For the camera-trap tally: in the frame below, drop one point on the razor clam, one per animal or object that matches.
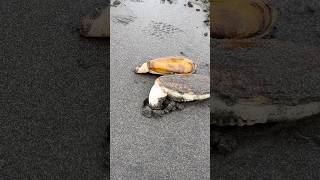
(168, 65)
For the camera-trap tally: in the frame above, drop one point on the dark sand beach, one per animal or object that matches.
(175, 146)
(288, 150)
(54, 93)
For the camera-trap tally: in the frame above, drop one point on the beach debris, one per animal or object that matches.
(234, 19)
(168, 65)
(169, 1)
(116, 3)
(276, 81)
(96, 25)
(179, 88)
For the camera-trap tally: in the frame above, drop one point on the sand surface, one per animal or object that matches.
(175, 146)
(54, 93)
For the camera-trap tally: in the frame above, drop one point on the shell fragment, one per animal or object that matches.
(181, 88)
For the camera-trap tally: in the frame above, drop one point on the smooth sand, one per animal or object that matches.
(54, 93)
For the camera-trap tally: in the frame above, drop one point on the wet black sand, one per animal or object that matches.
(277, 150)
(54, 94)
(271, 151)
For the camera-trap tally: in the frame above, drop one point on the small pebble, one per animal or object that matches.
(116, 2)
(190, 4)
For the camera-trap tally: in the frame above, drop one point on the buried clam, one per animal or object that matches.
(178, 88)
(168, 65)
(276, 81)
(96, 25)
(241, 19)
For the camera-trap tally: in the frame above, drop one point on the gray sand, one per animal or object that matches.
(54, 94)
(298, 21)
(175, 146)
